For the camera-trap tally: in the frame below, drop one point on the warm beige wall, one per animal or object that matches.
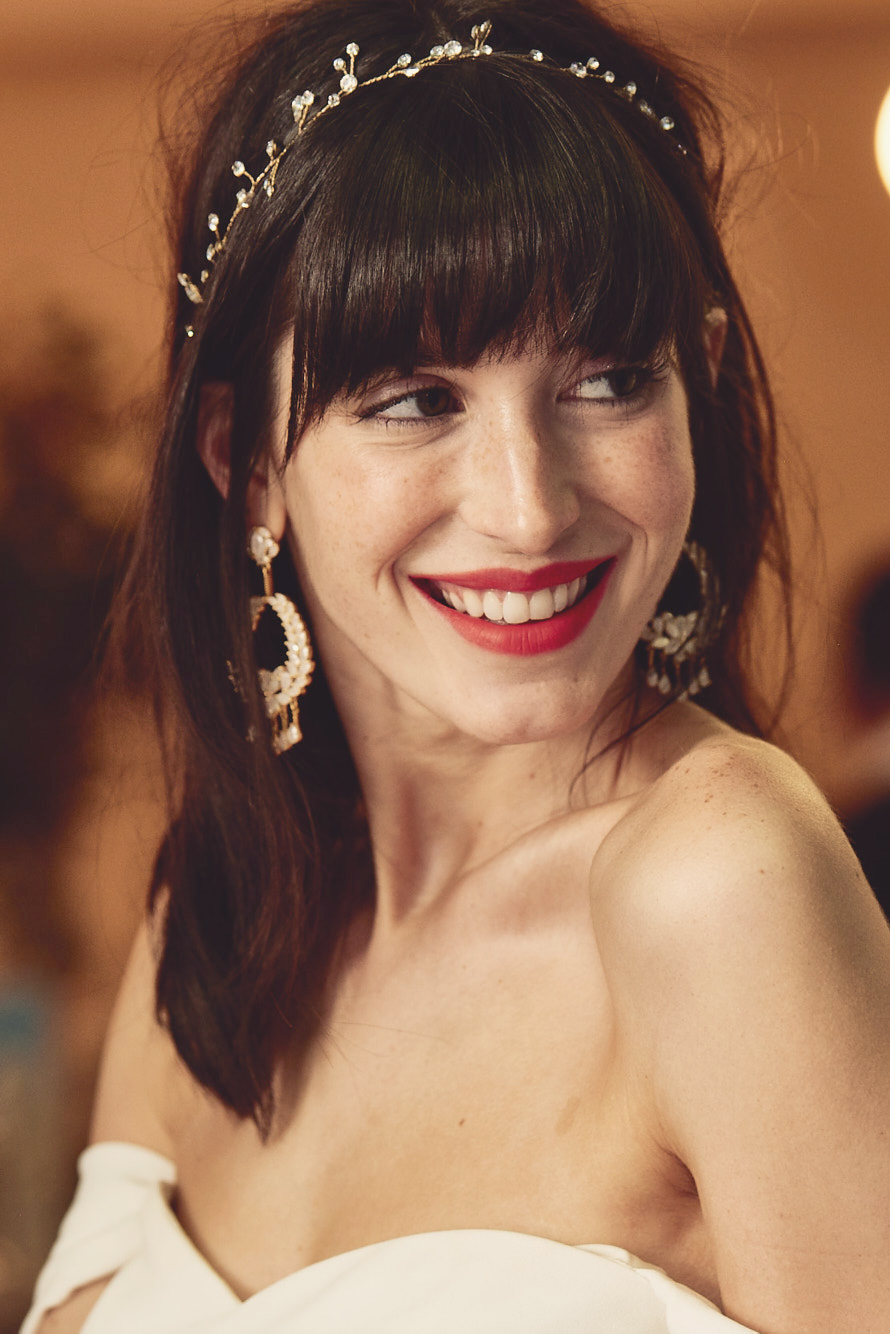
(80, 225)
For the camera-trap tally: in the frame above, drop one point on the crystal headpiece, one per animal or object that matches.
(263, 183)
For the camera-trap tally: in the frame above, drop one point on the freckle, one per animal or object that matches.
(461, 1121)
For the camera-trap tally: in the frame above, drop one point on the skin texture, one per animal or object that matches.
(651, 1009)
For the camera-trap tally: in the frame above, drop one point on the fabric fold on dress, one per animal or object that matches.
(479, 1281)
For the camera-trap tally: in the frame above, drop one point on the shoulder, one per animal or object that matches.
(730, 878)
(750, 967)
(142, 1083)
(732, 831)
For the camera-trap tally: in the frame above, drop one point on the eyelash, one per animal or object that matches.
(377, 409)
(644, 377)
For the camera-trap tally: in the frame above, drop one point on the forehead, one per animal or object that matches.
(468, 213)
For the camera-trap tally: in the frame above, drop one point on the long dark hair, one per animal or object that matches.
(480, 202)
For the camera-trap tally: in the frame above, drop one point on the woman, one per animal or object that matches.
(518, 963)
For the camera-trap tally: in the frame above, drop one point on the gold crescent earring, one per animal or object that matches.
(284, 684)
(676, 643)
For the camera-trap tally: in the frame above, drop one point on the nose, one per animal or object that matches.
(518, 487)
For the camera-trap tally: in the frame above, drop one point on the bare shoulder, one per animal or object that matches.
(750, 966)
(730, 878)
(141, 1079)
(732, 826)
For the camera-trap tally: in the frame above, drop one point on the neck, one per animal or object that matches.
(441, 804)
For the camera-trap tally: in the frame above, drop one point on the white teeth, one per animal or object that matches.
(492, 607)
(516, 609)
(511, 608)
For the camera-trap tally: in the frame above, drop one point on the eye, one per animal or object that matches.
(415, 405)
(621, 384)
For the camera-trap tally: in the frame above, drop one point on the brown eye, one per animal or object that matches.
(614, 386)
(433, 401)
(626, 380)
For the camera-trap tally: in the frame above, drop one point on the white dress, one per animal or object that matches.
(468, 1281)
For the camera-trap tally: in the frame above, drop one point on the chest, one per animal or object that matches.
(474, 1088)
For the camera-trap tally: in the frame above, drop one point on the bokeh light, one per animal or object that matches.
(882, 141)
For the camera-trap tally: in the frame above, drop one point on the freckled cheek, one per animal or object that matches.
(653, 484)
(349, 528)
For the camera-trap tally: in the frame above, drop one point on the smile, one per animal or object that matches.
(506, 607)
(506, 611)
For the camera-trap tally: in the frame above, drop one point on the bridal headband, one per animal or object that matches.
(406, 67)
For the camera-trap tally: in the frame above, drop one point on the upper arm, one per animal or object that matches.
(757, 988)
(138, 1100)
(139, 1065)
(131, 1099)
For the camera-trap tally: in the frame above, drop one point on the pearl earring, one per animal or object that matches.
(284, 684)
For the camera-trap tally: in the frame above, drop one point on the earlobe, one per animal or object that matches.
(264, 502)
(716, 325)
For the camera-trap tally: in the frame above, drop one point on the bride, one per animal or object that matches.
(498, 975)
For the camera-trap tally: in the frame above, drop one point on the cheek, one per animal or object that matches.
(673, 476)
(652, 482)
(322, 519)
(350, 522)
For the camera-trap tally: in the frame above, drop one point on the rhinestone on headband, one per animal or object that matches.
(263, 183)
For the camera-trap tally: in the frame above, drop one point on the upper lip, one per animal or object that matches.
(518, 581)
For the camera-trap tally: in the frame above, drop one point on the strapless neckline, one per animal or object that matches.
(168, 1221)
(476, 1280)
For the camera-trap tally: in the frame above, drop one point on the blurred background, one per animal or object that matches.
(82, 253)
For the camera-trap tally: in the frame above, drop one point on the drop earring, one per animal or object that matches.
(284, 684)
(675, 642)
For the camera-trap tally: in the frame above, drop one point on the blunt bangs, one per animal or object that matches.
(478, 207)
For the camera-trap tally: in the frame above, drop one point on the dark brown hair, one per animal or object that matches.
(461, 211)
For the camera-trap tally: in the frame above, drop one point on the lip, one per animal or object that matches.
(533, 637)
(516, 581)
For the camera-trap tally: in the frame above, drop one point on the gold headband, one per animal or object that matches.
(263, 183)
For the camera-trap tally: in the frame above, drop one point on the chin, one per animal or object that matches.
(544, 717)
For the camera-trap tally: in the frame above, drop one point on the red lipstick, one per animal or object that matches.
(534, 636)
(515, 581)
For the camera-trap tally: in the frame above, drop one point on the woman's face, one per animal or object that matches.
(481, 546)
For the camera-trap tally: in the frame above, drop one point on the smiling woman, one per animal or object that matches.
(497, 974)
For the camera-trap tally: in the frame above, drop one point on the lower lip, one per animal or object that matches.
(534, 636)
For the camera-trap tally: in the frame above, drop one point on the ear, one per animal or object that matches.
(716, 325)
(265, 498)
(215, 413)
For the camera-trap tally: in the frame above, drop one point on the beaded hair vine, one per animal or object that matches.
(263, 183)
